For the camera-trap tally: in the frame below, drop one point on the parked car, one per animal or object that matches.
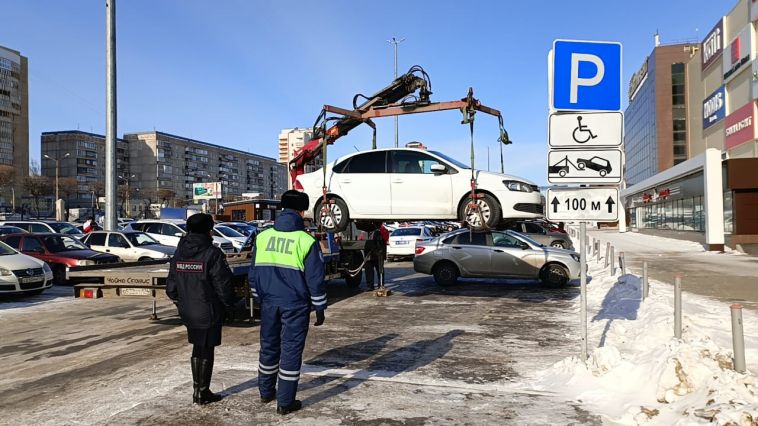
(243, 228)
(20, 273)
(493, 254)
(402, 242)
(45, 226)
(5, 230)
(59, 251)
(600, 165)
(408, 184)
(169, 232)
(237, 239)
(542, 234)
(131, 246)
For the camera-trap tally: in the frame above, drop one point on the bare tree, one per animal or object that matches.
(38, 187)
(7, 178)
(166, 195)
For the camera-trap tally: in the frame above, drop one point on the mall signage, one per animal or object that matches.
(739, 126)
(738, 53)
(714, 107)
(713, 44)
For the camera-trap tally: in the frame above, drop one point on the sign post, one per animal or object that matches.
(586, 137)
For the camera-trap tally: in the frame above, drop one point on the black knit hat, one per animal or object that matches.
(295, 200)
(200, 223)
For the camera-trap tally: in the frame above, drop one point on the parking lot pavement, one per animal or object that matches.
(425, 355)
(728, 277)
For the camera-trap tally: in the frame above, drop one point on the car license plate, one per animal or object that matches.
(401, 243)
(32, 279)
(136, 292)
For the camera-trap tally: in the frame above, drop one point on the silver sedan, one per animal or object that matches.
(494, 254)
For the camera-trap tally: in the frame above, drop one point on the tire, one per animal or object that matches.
(603, 173)
(354, 261)
(445, 274)
(339, 212)
(562, 173)
(554, 275)
(490, 208)
(144, 259)
(558, 244)
(59, 275)
(580, 165)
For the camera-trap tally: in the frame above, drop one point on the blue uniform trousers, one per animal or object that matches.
(283, 333)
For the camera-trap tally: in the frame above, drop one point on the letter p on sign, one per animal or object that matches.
(586, 76)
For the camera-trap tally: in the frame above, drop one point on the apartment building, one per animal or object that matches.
(14, 115)
(165, 166)
(81, 155)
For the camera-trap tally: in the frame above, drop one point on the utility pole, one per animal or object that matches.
(394, 41)
(58, 215)
(111, 192)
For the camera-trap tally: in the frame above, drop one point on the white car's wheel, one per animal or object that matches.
(335, 218)
(486, 215)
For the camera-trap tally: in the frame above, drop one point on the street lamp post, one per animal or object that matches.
(394, 41)
(58, 215)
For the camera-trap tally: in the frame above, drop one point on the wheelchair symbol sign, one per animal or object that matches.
(586, 129)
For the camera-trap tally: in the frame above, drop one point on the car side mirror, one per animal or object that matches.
(179, 234)
(524, 245)
(438, 168)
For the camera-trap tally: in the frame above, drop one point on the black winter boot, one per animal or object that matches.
(195, 362)
(290, 408)
(205, 395)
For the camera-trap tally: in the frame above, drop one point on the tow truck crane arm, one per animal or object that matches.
(396, 99)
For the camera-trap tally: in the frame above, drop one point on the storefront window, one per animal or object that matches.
(728, 213)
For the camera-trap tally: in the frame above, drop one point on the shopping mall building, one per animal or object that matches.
(690, 137)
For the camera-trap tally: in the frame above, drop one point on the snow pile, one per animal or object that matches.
(638, 373)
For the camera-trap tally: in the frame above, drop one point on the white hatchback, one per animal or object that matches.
(130, 246)
(20, 273)
(402, 242)
(412, 184)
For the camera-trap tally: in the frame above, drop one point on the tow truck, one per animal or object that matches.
(344, 257)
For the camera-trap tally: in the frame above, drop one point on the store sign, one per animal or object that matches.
(206, 190)
(738, 53)
(714, 107)
(712, 45)
(740, 126)
(637, 79)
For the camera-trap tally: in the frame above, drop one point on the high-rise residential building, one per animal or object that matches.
(81, 155)
(712, 194)
(14, 114)
(165, 166)
(291, 140)
(655, 122)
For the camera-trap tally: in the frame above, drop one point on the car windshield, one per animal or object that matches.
(228, 232)
(5, 249)
(455, 162)
(64, 228)
(246, 230)
(404, 232)
(60, 243)
(139, 239)
(527, 239)
(183, 226)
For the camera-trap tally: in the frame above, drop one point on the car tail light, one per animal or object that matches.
(90, 293)
(298, 185)
(420, 250)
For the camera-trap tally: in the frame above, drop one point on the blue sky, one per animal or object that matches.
(235, 72)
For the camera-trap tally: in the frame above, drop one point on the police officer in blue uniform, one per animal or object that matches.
(200, 282)
(287, 280)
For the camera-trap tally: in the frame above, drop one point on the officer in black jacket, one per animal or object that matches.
(200, 282)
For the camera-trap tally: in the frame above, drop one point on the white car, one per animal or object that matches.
(169, 232)
(238, 240)
(412, 184)
(130, 246)
(20, 273)
(402, 242)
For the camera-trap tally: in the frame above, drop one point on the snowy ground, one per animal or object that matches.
(638, 373)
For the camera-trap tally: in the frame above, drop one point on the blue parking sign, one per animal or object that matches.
(586, 76)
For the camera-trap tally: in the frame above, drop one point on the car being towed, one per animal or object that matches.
(59, 251)
(411, 184)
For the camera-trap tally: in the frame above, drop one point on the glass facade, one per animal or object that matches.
(640, 131)
(686, 214)
(679, 112)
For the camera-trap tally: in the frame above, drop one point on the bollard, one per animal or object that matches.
(597, 251)
(678, 306)
(622, 263)
(738, 338)
(613, 261)
(607, 253)
(154, 316)
(587, 243)
(645, 288)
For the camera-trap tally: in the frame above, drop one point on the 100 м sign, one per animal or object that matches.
(593, 204)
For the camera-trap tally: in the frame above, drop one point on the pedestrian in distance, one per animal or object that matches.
(89, 225)
(200, 283)
(287, 279)
(375, 252)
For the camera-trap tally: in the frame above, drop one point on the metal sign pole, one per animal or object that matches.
(583, 281)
